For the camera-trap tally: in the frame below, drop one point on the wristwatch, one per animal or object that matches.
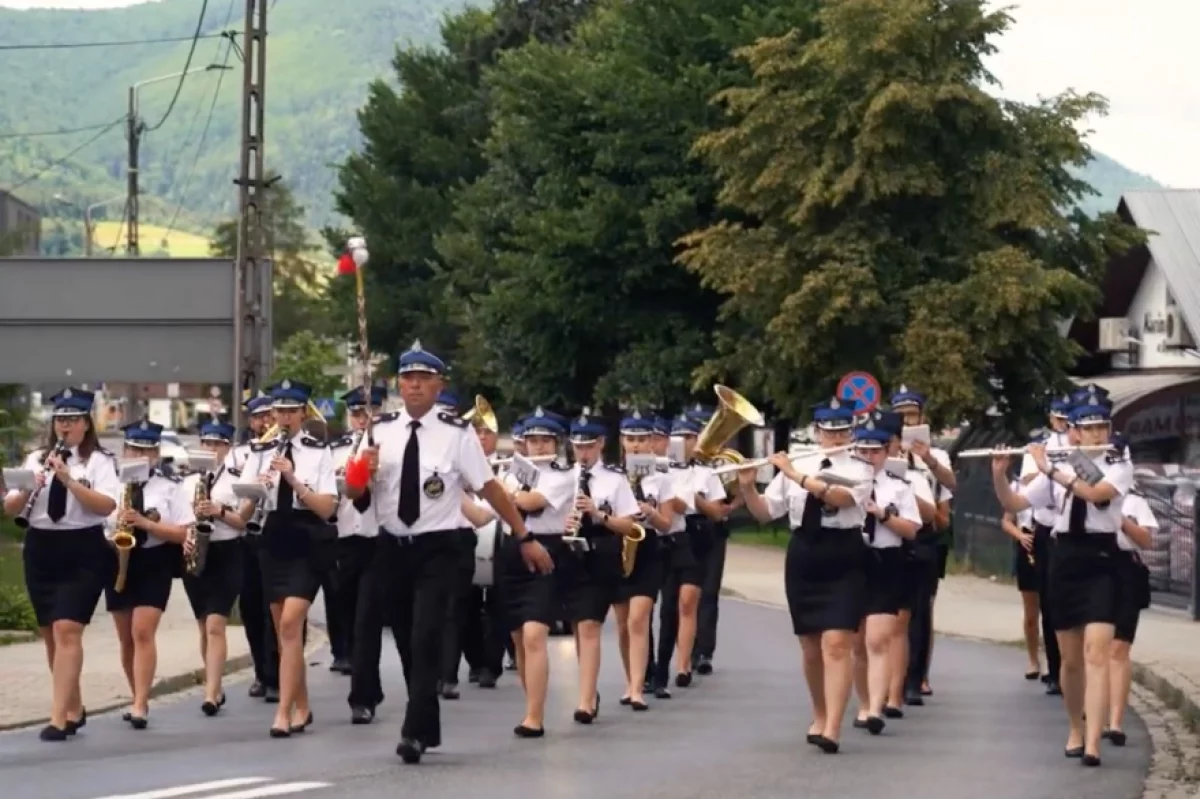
(525, 539)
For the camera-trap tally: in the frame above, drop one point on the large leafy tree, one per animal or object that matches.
(563, 250)
(894, 216)
(421, 145)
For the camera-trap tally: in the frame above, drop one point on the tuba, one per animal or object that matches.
(482, 415)
(733, 413)
(202, 530)
(123, 540)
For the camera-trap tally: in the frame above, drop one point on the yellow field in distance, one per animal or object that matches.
(179, 244)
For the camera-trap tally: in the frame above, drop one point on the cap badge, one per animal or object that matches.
(286, 385)
(67, 393)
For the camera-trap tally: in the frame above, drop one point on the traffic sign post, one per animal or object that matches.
(327, 406)
(860, 390)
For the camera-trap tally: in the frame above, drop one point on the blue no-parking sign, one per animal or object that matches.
(860, 390)
(327, 406)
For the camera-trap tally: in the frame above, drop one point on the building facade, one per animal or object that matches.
(20, 226)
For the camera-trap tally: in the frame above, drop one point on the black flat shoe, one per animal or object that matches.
(1053, 688)
(276, 732)
(521, 731)
(450, 690)
(683, 679)
(1074, 751)
(126, 716)
(257, 690)
(362, 715)
(875, 725)
(410, 750)
(662, 693)
(52, 733)
(302, 727)
(585, 716)
(860, 724)
(827, 746)
(1116, 737)
(211, 709)
(892, 712)
(813, 738)
(639, 705)
(704, 666)
(271, 697)
(75, 726)
(1091, 760)
(139, 722)
(1032, 675)
(625, 701)
(487, 679)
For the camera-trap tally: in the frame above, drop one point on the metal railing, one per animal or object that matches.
(1173, 560)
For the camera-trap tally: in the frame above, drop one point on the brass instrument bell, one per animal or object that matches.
(482, 415)
(733, 413)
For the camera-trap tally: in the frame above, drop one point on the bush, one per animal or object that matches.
(9, 530)
(15, 611)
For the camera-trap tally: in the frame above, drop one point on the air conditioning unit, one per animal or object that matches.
(1114, 334)
(1176, 334)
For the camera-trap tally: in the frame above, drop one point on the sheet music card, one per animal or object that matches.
(525, 471)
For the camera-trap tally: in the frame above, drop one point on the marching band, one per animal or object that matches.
(409, 521)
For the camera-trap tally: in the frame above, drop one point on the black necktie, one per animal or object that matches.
(410, 478)
(871, 522)
(57, 507)
(285, 488)
(1077, 521)
(137, 498)
(810, 518)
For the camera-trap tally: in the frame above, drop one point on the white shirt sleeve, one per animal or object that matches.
(906, 503)
(623, 501)
(776, 497)
(182, 511)
(558, 490)
(1039, 491)
(714, 489)
(866, 482)
(472, 463)
(326, 482)
(1119, 475)
(102, 474)
(1139, 510)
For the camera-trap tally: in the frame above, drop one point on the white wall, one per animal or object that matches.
(1151, 298)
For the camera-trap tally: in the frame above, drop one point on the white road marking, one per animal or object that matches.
(208, 788)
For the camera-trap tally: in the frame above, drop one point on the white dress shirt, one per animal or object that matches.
(162, 494)
(1046, 492)
(1136, 507)
(1023, 519)
(313, 467)
(899, 493)
(221, 494)
(676, 483)
(100, 474)
(351, 521)
(1042, 514)
(784, 495)
(557, 486)
(451, 459)
(610, 491)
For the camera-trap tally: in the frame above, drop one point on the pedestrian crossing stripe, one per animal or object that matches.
(250, 788)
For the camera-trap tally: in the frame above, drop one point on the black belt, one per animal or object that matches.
(413, 538)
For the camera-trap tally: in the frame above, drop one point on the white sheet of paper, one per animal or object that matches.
(525, 471)
(254, 491)
(917, 432)
(134, 470)
(19, 480)
(201, 460)
(897, 467)
(834, 479)
(640, 465)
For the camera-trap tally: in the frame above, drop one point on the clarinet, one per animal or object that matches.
(59, 449)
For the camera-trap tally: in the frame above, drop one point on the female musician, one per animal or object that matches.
(298, 470)
(892, 518)
(212, 592)
(823, 570)
(530, 599)
(159, 514)
(1019, 526)
(637, 592)
(1090, 492)
(67, 561)
(1133, 596)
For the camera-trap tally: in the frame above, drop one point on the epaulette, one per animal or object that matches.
(615, 467)
(104, 451)
(261, 446)
(557, 466)
(314, 443)
(676, 465)
(344, 441)
(233, 470)
(174, 478)
(384, 418)
(452, 419)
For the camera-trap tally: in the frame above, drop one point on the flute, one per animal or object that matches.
(757, 464)
(997, 451)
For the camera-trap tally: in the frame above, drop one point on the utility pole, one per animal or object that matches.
(134, 133)
(251, 297)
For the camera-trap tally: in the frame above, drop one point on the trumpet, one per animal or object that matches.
(255, 525)
(804, 453)
(60, 449)
(123, 540)
(998, 451)
(202, 530)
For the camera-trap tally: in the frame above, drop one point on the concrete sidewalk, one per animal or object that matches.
(25, 691)
(1167, 649)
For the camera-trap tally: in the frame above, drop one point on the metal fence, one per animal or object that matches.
(1174, 571)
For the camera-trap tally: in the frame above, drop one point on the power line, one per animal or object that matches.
(60, 161)
(119, 43)
(186, 66)
(60, 132)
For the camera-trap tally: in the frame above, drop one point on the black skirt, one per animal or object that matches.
(824, 580)
(646, 579)
(1133, 594)
(66, 572)
(1083, 580)
(680, 564)
(148, 579)
(525, 596)
(295, 556)
(214, 590)
(1024, 568)
(588, 581)
(886, 578)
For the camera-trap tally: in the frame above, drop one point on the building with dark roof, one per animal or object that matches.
(20, 226)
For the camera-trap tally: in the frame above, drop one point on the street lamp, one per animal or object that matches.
(134, 133)
(89, 228)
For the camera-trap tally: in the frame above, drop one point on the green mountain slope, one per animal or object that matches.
(321, 56)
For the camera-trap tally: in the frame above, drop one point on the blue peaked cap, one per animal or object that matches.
(258, 405)
(700, 413)
(73, 402)
(354, 398)
(890, 421)
(143, 434)
(416, 359)
(448, 398)
(871, 432)
(833, 415)
(903, 398)
(289, 394)
(585, 428)
(1094, 410)
(684, 425)
(217, 431)
(661, 426)
(637, 424)
(1061, 405)
(542, 423)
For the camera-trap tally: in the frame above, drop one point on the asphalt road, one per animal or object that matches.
(738, 733)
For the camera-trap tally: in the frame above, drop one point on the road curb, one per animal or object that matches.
(166, 686)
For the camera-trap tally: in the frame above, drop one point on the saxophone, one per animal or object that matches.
(629, 543)
(123, 540)
(201, 532)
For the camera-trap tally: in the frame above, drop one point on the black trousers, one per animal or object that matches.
(354, 554)
(668, 629)
(458, 609)
(419, 573)
(370, 614)
(920, 628)
(256, 617)
(713, 569)
(484, 636)
(1042, 543)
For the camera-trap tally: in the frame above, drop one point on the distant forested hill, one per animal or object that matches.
(322, 54)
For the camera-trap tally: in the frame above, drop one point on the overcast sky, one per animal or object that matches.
(1140, 55)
